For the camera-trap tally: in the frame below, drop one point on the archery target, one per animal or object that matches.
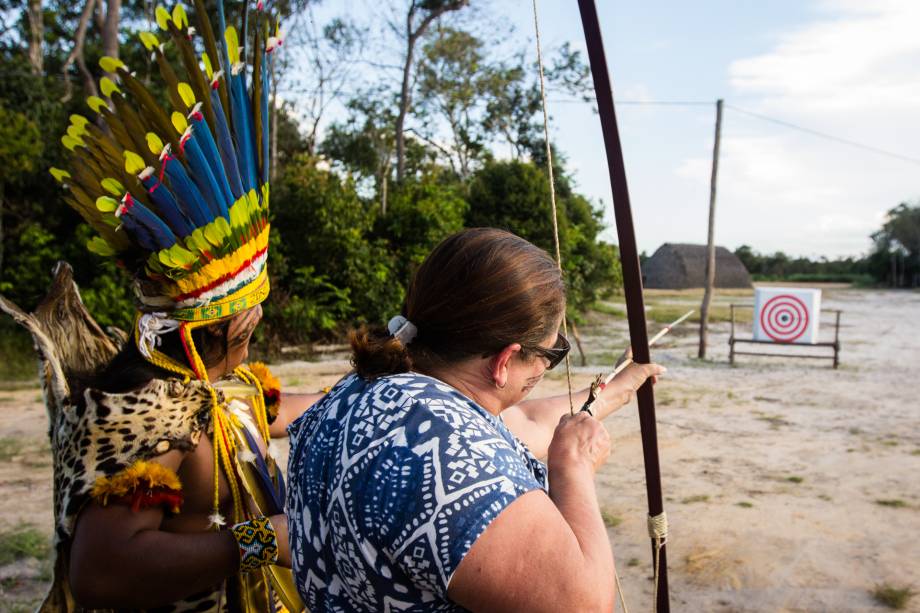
(786, 315)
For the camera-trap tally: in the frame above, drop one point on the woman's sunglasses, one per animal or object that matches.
(554, 354)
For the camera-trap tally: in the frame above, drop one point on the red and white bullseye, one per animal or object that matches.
(784, 318)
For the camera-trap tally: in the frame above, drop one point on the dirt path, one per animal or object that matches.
(789, 486)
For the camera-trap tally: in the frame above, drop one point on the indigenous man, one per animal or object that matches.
(168, 494)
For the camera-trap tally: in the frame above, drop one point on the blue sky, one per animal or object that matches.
(843, 67)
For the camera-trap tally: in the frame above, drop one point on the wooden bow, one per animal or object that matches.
(632, 277)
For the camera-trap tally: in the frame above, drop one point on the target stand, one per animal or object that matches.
(786, 320)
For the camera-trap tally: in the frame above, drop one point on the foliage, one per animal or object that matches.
(422, 212)
(780, 267)
(515, 196)
(894, 260)
(895, 257)
(322, 223)
(20, 144)
(347, 234)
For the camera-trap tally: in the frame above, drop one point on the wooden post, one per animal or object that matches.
(577, 336)
(731, 339)
(711, 244)
(837, 341)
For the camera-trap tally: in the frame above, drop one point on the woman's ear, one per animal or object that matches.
(498, 366)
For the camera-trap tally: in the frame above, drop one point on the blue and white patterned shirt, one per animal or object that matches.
(391, 483)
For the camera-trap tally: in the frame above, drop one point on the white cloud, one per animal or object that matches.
(853, 74)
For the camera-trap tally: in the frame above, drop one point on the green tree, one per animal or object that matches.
(20, 148)
(515, 196)
(324, 230)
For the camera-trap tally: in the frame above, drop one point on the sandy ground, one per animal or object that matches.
(789, 486)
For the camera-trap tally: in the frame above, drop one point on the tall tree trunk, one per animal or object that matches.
(36, 36)
(76, 55)
(405, 92)
(110, 28)
(404, 101)
(2, 238)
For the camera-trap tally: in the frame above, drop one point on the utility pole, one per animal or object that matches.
(711, 244)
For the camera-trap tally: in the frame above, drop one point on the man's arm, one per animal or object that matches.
(120, 558)
(292, 407)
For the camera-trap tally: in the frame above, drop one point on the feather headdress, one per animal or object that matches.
(179, 192)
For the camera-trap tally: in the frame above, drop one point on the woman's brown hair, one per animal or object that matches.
(477, 292)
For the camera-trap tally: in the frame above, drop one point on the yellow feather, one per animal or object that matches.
(113, 187)
(179, 16)
(163, 18)
(233, 45)
(133, 162)
(187, 94)
(154, 143)
(107, 87)
(111, 64)
(179, 122)
(207, 66)
(96, 103)
(59, 174)
(106, 204)
(150, 40)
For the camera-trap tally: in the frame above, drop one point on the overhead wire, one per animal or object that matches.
(781, 122)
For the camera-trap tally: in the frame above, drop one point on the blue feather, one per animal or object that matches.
(159, 231)
(227, 152)
(168, 207)
(222, 27)
(140, 234)
(203, 177)
(202, 134)
(266, 161)
(241, 131)
(187, 194)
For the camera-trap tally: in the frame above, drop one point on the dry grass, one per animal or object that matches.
(894, 503)
(893, 597)
(610, 519)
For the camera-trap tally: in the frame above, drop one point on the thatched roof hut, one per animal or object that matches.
(682, 266)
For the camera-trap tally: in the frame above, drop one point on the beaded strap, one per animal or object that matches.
(258, 543)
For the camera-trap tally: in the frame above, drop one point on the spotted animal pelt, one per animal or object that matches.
(105, 433)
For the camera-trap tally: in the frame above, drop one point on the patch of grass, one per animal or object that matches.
(23, 541)
(894, 503)
(891, 596)
(825, 498)
(9, 447)
(17, 357)
(610, 520)
(915, 452)
(795, 479)
(609, 309)
(744, 504)
(855, 431)
(696, 498)
(775, 421)
(633, 562)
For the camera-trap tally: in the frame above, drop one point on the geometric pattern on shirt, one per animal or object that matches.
(391, 482)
